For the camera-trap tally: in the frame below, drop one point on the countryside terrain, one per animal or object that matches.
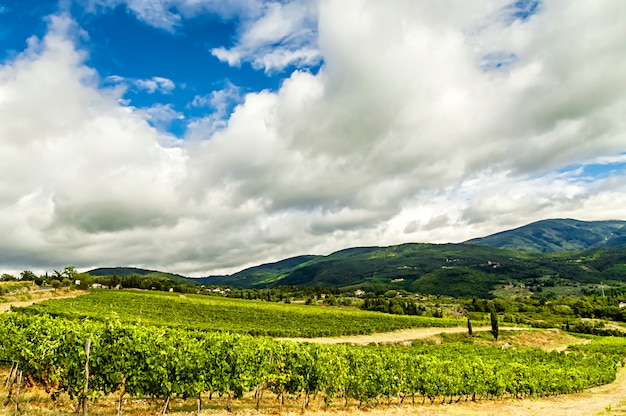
(470, 329)
(532, 257)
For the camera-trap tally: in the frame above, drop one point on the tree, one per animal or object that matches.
(396, 309)
(494, 323)
(70, 272)
(469, 327)
(28, 275)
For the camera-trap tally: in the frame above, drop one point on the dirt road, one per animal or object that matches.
(395, 336)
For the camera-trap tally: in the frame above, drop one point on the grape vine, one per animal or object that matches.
(160, 362)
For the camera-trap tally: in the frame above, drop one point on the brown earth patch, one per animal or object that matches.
(40, 296)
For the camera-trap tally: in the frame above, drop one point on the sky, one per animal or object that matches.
(201, 137)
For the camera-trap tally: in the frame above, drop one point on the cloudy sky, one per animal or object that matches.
(204, 136)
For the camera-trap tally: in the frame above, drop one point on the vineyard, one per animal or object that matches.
(161, 363)
(256, 318)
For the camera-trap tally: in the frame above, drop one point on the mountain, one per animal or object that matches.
(462, 270)
(559, 255)
(558, 235)
(133, 271)
(258, 276)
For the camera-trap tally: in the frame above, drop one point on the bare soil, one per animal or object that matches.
(40, 296)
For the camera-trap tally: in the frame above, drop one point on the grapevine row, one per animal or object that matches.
(165, 363)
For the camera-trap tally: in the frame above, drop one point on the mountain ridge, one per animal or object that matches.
(477, 267)
(558, 235)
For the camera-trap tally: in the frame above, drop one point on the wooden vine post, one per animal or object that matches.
(87, 348)
(17, 394)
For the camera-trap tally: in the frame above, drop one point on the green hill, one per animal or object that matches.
(559, 256)
(259, 276)
(133, 271)
(558, 235)
(447, 269)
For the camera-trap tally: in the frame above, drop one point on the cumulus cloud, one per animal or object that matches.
(164, 85)
(152, 85)
(403, 135)
(160, 115)
(70, 150)
(284, 35)
(221, 102)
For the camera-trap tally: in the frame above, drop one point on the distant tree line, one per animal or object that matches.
(69, 277)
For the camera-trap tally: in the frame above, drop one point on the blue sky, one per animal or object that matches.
(124, 48)
(201, 136)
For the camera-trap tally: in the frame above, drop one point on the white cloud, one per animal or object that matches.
(151, 85)
(163, 85)
(157, 13)
(79, 165)
(169, 14)
(402, 136)
(160, 115)
(285, 34)
(220, 100)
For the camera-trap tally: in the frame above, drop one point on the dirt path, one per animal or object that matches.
(616, 325)
(40, 297)
(396, 336)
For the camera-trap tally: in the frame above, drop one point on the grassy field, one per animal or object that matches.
(232, 315)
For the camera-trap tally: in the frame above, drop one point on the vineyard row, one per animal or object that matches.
(145, 361)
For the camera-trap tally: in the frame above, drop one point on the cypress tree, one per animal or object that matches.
(494, 324)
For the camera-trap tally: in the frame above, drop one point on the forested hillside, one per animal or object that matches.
(558, 235)
(446, 269)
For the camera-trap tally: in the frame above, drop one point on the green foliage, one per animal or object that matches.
(28, 275)
(126, 273)
(455, 281)
(6, 277)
